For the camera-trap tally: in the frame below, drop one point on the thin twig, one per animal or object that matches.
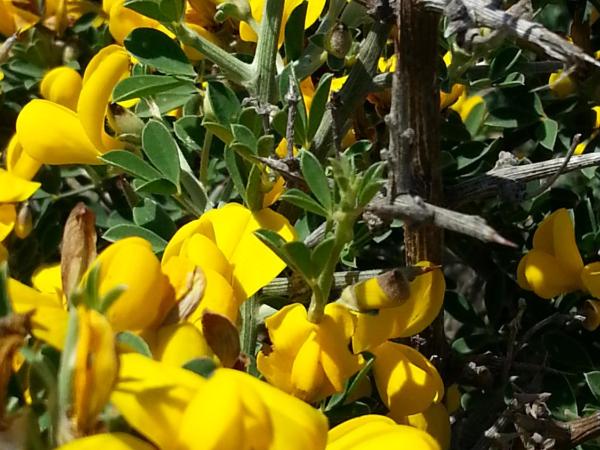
(550, 181)
(292, 100)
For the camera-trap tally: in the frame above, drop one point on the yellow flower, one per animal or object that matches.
(554, 265)
(62, 85)
(235, 263)
(308, 360)
(561, 85)
(411, 317)
(179, 343)
(53, 134)
(49, 321)
(131, 264)
(175, 408)
(122, 20)
(14, 19)
(591, 312)
(14, 189)
(434, 420)
(112, 441)
(581, 147)
(18, 162)
(96, 367)
(313, 11)
(465, 104)
(407, 382)
(378, 432)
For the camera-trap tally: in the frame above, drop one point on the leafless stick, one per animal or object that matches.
(502, 180)
(418, 212)
(292, 99)
(550, 181)
(479, 13)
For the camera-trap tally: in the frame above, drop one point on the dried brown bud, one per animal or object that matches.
(222, 336)
(78, 248)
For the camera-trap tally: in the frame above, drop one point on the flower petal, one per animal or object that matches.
(179, 343)
(62, 85)
(254, 264)
(102, 74)
(52, 134)
(590, 276)
(18, 162)
(8, 216)
(547, 276)
(407, 382)
(112, 441)
(556, 236)
(153, 396)
(15, 189)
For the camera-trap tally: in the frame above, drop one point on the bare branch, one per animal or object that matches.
(417, 212)
(508, 180)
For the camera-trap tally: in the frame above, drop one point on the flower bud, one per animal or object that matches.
(24, 222)
(339, 41)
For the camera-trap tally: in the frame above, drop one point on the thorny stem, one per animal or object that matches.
(237, 71)
(263, 66)
(292, 99)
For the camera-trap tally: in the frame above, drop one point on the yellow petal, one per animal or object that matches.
(413, 316)
(95, 367)
(377, 432)
(179, 343)
(62, 85)
(112, 441)
(547, 276)
(200, 226)
(218, 298)
(203, 252)
(561, 85)
(307, 373)
(448, 98)
(214, 417)
(254, 264)
(130, 263)
(3, 253)
(591, 312)
(18, 162)
(556, 236)
(15, 189)
(8, 216)
(153, 396)
(289, 328)
(49, 322)
(313, 12)
(123, 21)
(407, 382)
(48, 279)
(435, 421)
(296, 425)
(104, 71)
(52, 134)
(590, 276)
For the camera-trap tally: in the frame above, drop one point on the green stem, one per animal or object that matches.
(249, 331)
(205, 157)
(263, 85)
(237, 71)
(342, 235)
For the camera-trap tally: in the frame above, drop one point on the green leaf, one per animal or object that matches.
(190, 131)
(165, 101)
(220, 131)
(158, 186)
(592, 379)
(233, 163)
(314, 175)
(201, 366)
(321, 252)
(303, 201)
(294, 33)
(224, 105)
(148, 8)
(370, 184)
(300, 259)
(254, 194)
(274, 241)
(318, 105)
(134, 342)
(145, 85)
(161, 149)
(131, 163)
(351, 385)
(127, 230)
(546, 132)
(244, 136)
(152, 216)
(5, 306)
(156, 49)
(503, 62)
